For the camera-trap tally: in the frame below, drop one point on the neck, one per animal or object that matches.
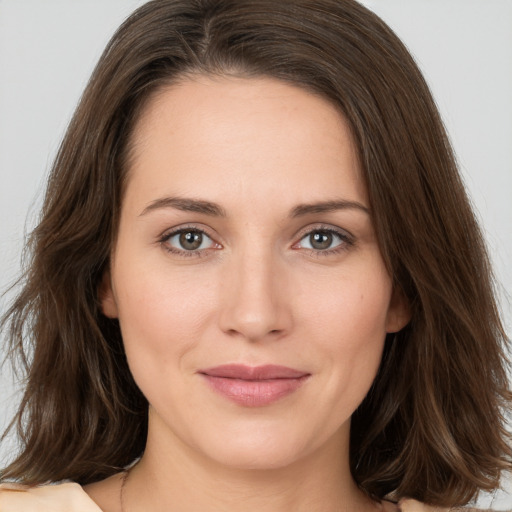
(171, 476)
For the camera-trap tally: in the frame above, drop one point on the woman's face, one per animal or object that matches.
(245, 240)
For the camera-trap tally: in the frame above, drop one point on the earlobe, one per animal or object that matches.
(399, 312)
(106, 296)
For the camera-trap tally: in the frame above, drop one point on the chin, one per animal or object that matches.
(259, 451)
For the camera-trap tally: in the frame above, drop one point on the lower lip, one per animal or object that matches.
(254, 393)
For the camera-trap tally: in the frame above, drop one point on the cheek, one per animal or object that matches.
(352, 306)
(347, 318)
(161, 314)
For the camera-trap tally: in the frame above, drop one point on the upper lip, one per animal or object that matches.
(244, 372)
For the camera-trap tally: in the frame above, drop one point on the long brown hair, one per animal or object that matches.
(432, 426)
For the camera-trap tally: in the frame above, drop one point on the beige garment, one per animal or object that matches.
(70, 497)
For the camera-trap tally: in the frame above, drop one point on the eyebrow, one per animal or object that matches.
(186, 205)
(327, 206)
(215, 210)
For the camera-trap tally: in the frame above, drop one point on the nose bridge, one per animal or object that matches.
(253, 305)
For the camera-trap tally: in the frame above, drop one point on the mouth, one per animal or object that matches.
(254, 386)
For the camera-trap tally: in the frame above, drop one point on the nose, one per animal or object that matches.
(255, 302)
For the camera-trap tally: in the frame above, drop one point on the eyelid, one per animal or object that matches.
(323, 227)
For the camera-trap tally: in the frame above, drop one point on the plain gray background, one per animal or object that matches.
(49, 47)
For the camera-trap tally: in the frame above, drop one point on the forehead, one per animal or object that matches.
(208, 135)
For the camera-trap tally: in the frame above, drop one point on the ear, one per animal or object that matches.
(106, 296)
(399, 312)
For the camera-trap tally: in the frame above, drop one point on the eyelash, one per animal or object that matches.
(346, 242)
(183, 252)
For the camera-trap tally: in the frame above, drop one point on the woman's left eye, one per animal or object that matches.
(324, 240)
(188, 240)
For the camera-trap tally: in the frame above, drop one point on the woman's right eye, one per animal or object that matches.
(188, 241)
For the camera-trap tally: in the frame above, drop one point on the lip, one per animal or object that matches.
(253, 386)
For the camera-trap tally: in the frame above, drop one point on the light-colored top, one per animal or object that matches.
(70, 497)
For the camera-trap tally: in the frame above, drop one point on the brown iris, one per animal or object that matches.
(191, 240)
(320, 240)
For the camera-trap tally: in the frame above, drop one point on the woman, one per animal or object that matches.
(257, 283)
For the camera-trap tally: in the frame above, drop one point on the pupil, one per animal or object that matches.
(321, 240)
(191, 240)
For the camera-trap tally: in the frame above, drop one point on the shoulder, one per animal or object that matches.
(66, 497)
